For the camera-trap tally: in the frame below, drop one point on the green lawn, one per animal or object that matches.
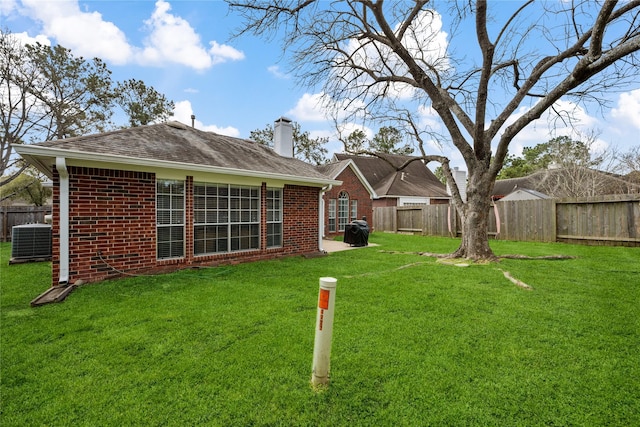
(428, 344)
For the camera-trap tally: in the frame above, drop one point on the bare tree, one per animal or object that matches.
(20, 114)
(525, 55)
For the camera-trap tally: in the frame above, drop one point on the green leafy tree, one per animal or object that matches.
(20, 115)
(355, 142)
(48, 93)
(75, 93)
(142, 104)
(27, 187)
(561, 151)
(310, 150)
(390, 140)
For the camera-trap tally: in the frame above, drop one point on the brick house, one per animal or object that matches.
(347, 202)
(369, 182)
(166, 196)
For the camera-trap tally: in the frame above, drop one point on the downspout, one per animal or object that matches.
(321, 215)
(61, 167)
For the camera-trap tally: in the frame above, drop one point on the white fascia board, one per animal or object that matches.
(35, 154)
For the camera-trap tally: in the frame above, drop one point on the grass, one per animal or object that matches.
(429, 344)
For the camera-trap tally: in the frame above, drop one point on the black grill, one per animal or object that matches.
(356, 233)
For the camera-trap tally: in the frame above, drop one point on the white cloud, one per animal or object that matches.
(183, 111)
(628, 110)
(223, 53)
(228, 130)
(85, 33)
(170, 40)
(26, 39)
(173, 40)
(309, 108)
(275, 71)
(7, 7)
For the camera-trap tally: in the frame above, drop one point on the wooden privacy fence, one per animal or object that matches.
(605, 220)
(18, 215)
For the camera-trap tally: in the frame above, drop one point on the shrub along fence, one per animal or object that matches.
(18, 215)
(604, 220)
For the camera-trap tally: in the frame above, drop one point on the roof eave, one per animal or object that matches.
(37, 156)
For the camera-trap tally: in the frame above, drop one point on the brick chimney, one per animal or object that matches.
(283, 137)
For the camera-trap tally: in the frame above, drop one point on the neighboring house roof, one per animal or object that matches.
(334, 169)
(524, 194)
(174, 145)
(567, 182)
(387, 179)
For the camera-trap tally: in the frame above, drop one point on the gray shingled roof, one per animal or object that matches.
(550, 182)
(383, 175)
(177, 143)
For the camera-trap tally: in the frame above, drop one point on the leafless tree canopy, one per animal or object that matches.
(375, 56)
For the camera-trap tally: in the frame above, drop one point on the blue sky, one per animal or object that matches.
(183, 49)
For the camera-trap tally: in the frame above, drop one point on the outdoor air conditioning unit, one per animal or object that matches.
(30, 242)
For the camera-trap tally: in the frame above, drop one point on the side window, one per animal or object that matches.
(169, 219)
(343, 210)
(332, 215)
(274, 217)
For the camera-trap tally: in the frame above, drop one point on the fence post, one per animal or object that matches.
(324, 331)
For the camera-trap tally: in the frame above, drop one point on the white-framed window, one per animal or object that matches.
(169, 218)
(332, 215)
(274, 217)
(354, 210)
(343, 210)
(226, 218)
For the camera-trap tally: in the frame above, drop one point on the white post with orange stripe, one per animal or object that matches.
(324, 331)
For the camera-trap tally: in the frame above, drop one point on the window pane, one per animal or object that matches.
(163, 217)
(177, 217)
(163, 201)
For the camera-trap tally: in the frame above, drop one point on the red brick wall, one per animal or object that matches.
(112, 226)
(111, 215)
(356, 190)
(300, 216)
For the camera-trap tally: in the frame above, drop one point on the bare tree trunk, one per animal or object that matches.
(475, 218)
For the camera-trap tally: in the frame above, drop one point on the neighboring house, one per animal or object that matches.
(524, 194)
(167, 196)
(347, 202)
(371, 181)
(566, 182)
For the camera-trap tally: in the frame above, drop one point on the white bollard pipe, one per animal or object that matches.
(324, 331)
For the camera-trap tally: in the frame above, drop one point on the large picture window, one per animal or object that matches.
(274, 217)
(226, 218)
(169, 218)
